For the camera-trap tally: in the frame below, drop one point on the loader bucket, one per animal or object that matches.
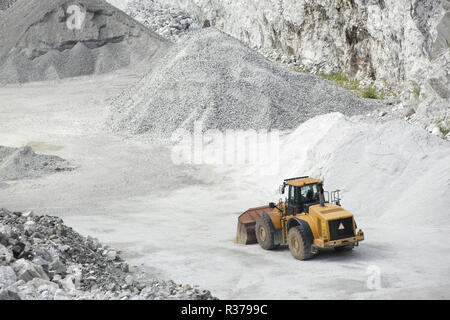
(246, 224)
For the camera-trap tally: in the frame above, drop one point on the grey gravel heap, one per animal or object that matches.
(213, 77)
(20, 163)
(41, 258)
(47, 40)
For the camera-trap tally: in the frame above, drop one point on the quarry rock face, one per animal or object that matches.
(44, 40)
(399, 45)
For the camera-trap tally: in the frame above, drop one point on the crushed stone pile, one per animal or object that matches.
(47, 40)
(164, 20)
(20, 163)
(41, 258)
(212, 77)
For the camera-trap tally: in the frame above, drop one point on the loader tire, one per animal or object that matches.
(348, 247)
(300, 242)
(264, 233)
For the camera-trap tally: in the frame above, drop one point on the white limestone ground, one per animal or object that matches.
(179, 222)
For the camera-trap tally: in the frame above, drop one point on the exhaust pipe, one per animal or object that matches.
(321, 196)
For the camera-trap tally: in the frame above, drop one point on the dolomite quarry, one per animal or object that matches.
(95, 207)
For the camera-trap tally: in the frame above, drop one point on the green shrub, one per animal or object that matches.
(416, 92)
(444, 129)
(369, 92)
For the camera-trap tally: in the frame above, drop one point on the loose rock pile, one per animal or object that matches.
(18, 163)
(164, 20)
(41, 258)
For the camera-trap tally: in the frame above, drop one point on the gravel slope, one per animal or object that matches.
(19, 163)
(37, 43)
(213, 77)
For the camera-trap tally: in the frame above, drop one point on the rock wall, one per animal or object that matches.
(397, 44)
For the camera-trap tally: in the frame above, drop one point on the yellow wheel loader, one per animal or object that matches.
(307, 220)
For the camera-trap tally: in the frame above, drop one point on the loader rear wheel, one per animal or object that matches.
(300, 243)
(264, 233)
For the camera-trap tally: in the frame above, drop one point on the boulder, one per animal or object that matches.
(45, 288)
(26, 270)
(6, 256)
(5, 233)
(7, 276)
(6, 294)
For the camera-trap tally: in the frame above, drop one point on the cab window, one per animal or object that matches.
(309, 193)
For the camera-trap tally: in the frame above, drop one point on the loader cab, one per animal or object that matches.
(302, 193)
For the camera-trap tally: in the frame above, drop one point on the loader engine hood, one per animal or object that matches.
(330, 211)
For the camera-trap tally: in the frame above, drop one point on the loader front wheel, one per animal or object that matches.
(299, 243)
(264, 234)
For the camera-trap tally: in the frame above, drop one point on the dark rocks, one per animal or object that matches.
(41, 258)
(409, 112)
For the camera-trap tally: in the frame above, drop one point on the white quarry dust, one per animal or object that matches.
(180, 221)
(18, 163)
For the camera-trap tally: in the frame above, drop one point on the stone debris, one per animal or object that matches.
(162, 19)
(20, 163)
(52, 261)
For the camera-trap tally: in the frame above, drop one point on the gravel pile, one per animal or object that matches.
(213, 77)
(5, 4)
(20, 163)
(47, 40)
(41, 258)
(164, 20)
